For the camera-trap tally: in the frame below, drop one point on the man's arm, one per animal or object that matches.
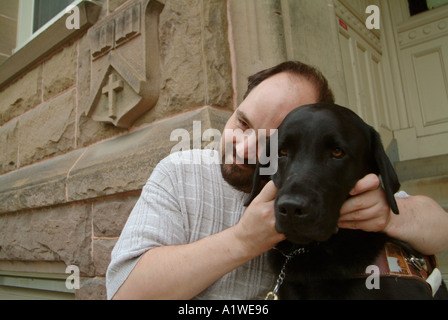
(182, 272)
(422, 222)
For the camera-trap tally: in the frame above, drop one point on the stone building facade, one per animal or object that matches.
(87, 112)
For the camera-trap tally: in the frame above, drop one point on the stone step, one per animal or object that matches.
(422, 168)
(434, 187)
(427, 176)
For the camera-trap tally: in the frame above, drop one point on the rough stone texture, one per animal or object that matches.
(53, 234)
(8, 146)
(101, 255)
(317, 18)
(114, 4)
(92, 289)
(67, 182)
(109, 216)
(59, 72)
(47, 130)
(88, 130)
(21, 96)
(195, 59)
(36, 186)
(125, 163)
(107, 168)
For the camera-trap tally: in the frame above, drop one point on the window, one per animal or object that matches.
(418, 6)
(34, 286)
(36, 15)
(31, 46)
(45, 10)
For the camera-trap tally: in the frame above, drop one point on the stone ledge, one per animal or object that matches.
(39, 185)
(110, 167)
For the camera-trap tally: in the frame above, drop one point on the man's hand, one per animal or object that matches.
(367, 209)
(256, 229)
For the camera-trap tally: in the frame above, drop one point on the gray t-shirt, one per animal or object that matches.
(185, 200)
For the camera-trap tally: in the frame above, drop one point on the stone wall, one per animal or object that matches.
(69, 180)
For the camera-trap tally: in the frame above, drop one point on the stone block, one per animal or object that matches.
(48, 130)
(90, 131)
(21, 96)
(114, 4)
(58, 234)
(101, 255)
(8, 146)
(59, 72)
(125, 163)
(195, 60)
(92, 289)
(83, 80)
(110, 216)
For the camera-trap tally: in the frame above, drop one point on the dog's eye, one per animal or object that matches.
(282, 153)
(337, 153)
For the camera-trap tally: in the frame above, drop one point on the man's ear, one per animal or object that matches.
(386, 171)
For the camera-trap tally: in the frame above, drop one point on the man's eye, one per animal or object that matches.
(243, 124)
(282, 153)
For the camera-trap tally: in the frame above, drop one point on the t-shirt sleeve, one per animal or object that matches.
(402, 195)
(155, 221)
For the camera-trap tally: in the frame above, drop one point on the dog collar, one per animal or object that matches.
(273, 295)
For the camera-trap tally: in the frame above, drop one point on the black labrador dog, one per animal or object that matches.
(323, 150)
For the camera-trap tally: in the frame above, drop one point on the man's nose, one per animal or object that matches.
(246, 146)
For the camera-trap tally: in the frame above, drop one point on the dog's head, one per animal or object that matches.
(323, 150)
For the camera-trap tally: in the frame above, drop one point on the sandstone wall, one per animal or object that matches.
(68, 182)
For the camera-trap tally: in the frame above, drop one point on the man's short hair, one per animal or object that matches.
(299, 69)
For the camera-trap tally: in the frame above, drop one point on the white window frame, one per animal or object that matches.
(48, 38)
(26, 18)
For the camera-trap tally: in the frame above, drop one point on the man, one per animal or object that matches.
(189, 235)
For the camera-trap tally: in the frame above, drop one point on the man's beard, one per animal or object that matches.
(238, 177)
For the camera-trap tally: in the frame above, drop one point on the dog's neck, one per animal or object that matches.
(287, 248)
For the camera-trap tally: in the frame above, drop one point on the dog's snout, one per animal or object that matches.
(291, 207)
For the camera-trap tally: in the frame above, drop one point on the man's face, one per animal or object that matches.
(264, 108)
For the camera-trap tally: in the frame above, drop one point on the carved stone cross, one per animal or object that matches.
(110, 90)
(125, 66)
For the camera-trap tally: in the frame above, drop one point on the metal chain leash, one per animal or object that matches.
(273, 295)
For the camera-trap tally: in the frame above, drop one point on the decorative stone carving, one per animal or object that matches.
(125, 72)
(356, 20)
(417, 32)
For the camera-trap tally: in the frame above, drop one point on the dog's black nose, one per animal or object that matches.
(292, 207)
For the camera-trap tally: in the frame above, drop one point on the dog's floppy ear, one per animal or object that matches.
(258, 183)
(385, 170)
(258, 180)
